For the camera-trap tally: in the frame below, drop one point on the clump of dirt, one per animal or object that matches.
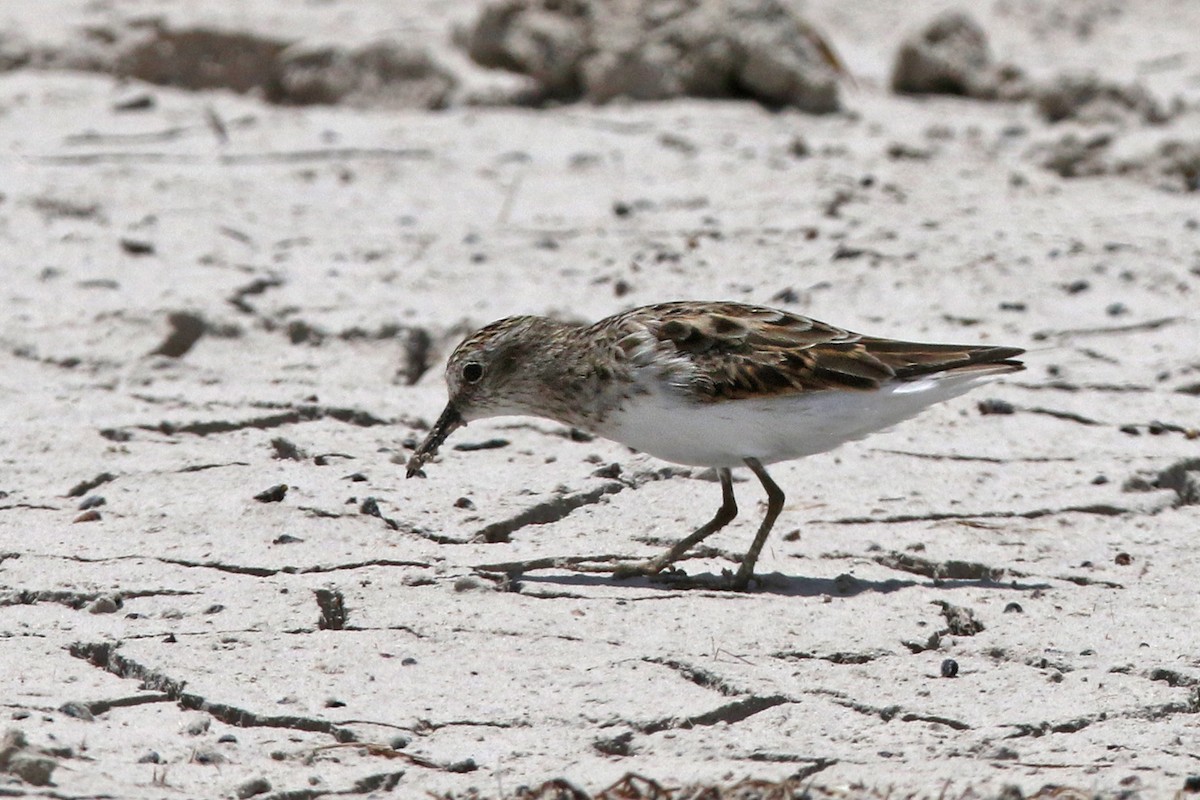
(1074, 156)
(384, 73)
(30, 764)
(1173, 165)
(1182, 477)
(201, 58)
(646, 50)
(1089, 99)
(393, 73)
(951, 55)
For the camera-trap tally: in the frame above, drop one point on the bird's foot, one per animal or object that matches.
(637, 569)
(666, 573)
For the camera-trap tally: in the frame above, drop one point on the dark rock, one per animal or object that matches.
(705, 48)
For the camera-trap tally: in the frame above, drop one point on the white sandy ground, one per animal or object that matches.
(214, 660)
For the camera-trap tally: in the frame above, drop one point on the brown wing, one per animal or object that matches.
(736, 351)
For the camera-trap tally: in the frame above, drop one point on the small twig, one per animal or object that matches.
(578, 563)
(385, 750)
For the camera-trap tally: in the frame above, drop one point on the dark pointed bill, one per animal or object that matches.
(447, 423)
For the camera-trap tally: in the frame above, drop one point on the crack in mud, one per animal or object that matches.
(1083, 580)
(1100, 509)
(888, 713)
(1066, 386)
(1152, 713)
(1069, 416)
(944, 570)
(29, 507)
(83, 487)
(935, 719)
(105, 656)
(551, 562)
(306, 413)
(832, 658)
(813, 764)
(424, 726)
(255, 287)
(984, 459)
(728, 713)
(563, 504)
(78, 600)
(1137, 327)
(238, 569)
(370, 508)
(203, 467)
(544, 513)
(98, 707)
(698, 675)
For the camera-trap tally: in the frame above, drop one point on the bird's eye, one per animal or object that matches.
(472, 371)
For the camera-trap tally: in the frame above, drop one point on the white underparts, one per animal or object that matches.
(670, 426)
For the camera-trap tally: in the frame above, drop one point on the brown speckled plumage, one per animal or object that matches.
(715, 384)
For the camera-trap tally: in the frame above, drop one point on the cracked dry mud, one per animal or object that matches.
(214, 297)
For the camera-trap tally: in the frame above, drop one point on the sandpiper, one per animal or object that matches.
(711, 384)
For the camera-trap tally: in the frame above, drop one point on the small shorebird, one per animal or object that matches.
(720, 385)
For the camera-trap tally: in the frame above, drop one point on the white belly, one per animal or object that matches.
(724, 434)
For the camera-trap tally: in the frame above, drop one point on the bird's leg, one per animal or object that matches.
(725, 513)
(774, 506)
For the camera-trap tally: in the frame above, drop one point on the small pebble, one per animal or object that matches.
(150, 758)
(466, 583)
(273, 495)
(136, 102)
(137, 247)
(253, 787)
(995, 407)
(77, 710)
(949, 668)
(33, 769)
(1014, 608)
(104, 604)
(198, 726)
(227, 738)
(1123, 559)
(207, 756)
(611, 471)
